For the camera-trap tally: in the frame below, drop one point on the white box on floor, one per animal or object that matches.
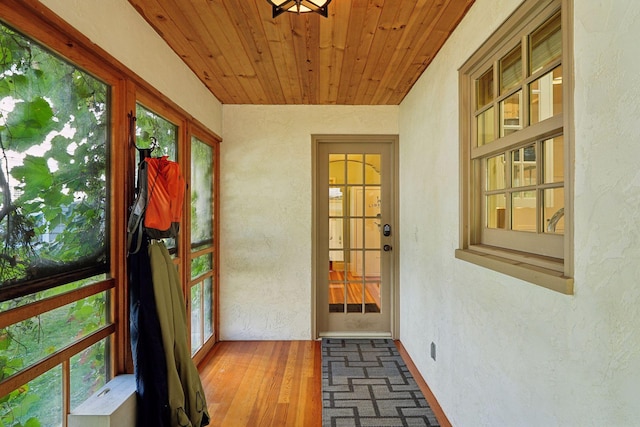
(114, 405)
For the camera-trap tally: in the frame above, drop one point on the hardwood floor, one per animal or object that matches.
(274, 383)
(264, 383)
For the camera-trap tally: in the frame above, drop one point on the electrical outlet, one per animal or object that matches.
(433, 350)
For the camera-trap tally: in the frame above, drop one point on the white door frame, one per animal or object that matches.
(316, 140)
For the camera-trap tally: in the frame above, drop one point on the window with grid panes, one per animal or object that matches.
(515, 148)
(63, 284)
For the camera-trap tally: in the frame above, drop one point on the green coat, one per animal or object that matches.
(187, 400)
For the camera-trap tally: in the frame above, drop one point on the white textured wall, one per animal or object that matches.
(510, 353)
(116, 27)
(265, 258)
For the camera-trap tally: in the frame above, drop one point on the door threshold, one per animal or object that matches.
(355, 335)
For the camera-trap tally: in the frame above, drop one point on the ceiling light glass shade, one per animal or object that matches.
(299, 6)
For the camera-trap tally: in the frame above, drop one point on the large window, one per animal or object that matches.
(160, 135)
(203, 255)
(69, 118)
(54, 233)
(516, 148)
(53, 150)
(194, 252)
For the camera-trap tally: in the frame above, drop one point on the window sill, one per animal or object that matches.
(538, 275)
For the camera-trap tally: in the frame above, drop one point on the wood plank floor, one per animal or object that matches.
(274, 383)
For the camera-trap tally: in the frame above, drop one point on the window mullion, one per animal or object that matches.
(526, 117)
(508, 155)
(539, 191)
(496, 95)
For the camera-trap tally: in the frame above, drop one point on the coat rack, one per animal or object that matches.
(143, 153)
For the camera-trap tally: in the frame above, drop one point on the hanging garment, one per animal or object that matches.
(157, 210)
(165, 196)
(148, 354)
(187, 401)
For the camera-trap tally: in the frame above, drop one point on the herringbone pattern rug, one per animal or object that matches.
(365, 383)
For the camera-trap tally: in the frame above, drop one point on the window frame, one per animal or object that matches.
(36, 21)
(42, 26)
(507, 251)
(197, 131)
(182, 256)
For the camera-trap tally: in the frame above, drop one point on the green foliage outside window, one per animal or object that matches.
(150, 125)
(53, 156)
(54, 135)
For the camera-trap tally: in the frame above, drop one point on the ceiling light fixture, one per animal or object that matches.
(299, 6)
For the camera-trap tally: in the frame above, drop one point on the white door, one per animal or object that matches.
(355, 235)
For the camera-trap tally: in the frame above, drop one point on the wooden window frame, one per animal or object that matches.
(41, 25)
(201, 133)
(538, 258)
(182, 256)
(35, 20)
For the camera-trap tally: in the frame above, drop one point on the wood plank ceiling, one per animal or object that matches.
(367, 52)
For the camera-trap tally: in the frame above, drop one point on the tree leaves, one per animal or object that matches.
(54, 121)
(36, 173)
(28, 121)
(54, 135)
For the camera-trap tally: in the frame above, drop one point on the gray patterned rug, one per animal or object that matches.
(365, 383)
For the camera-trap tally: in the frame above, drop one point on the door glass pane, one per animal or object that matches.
(496, 173)
(336, 297)
(554, 210)
(546, 44)
(511, 114)
(372, 264)
(372, 233)
(336, 265)
(354, 232)
(356, 228)
(553, 159)
(336, 201)
(335, 233)
(337, 168)
(372, 298)
(496, 205)
(523, 211)
(355, 168)
(373, 202)
(201, 194)
(355, 297)
(356, 264)
(524, 167)
(372, 169)
(485, 130)
(545, 96)
(484, 89)
(511, 70)
(337, 277)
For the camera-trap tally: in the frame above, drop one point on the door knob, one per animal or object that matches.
(387, 248)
